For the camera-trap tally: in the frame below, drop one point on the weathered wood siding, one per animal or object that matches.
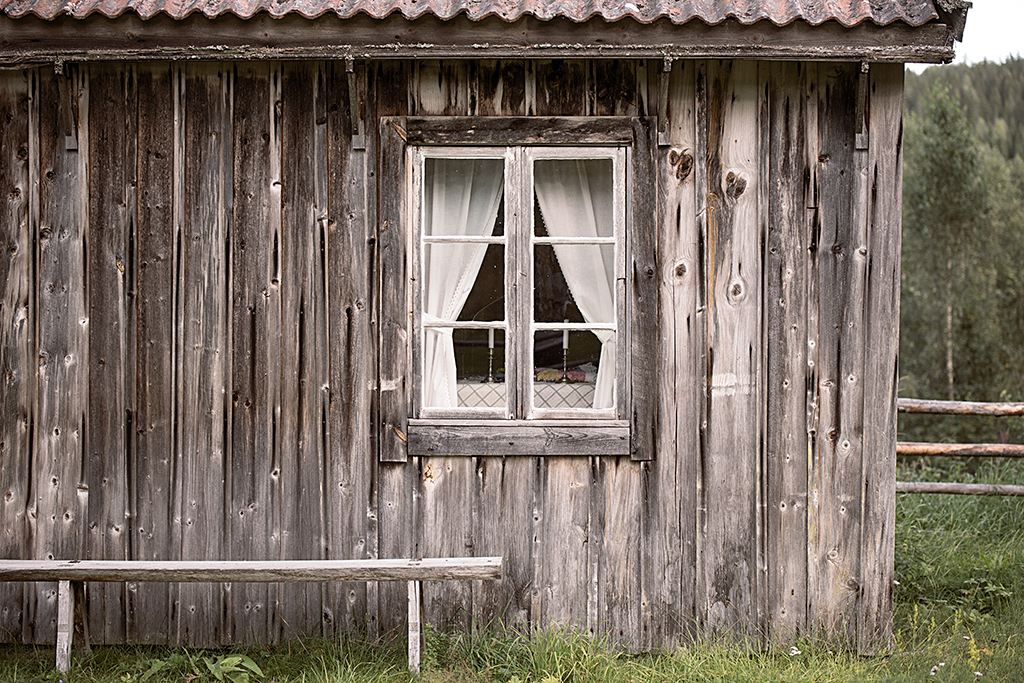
(189, 329)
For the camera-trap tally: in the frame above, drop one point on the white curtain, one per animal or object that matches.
(461, 197)
(577, 200)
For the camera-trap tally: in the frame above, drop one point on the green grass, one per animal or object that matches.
(959, 609)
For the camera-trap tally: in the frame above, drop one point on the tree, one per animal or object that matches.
(962, 317)
(945, 207)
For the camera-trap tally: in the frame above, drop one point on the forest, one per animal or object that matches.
(962, 305)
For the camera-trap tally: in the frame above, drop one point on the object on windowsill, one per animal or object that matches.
(590, 370)
(556, 375)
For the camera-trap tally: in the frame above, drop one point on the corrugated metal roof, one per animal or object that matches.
(780, 12)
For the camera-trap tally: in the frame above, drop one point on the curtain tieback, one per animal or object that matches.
(433, 319)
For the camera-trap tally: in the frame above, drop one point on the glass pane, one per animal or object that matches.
(478, 370)
(567, 369)
(461, 197)
(574, 283)
(576, 197)
(463, 282)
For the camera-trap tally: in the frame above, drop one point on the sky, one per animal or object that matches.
(995, 31)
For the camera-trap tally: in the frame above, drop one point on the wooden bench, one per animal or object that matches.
(70, 574)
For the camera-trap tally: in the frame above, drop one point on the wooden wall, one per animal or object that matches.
(188, 339)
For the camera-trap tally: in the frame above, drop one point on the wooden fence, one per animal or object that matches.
(983, 450)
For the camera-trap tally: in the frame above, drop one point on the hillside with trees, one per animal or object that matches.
(962, 307)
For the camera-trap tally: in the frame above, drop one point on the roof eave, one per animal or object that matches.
(128, 37)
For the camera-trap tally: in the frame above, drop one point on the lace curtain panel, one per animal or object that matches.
(461, 198)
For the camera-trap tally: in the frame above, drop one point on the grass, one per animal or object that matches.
(959, 610)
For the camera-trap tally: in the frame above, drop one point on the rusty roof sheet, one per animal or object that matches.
(779, 12)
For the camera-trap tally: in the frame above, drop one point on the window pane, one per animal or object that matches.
(567, 369)
(574, 283)
(576, 197)
(463, 282)
(478, 373)
(461, 196)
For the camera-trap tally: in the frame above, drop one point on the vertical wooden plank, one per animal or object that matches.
(565, 581)
(156, 256)
(180, 76)
(785, 426)
(505, 512)
(885, 177)
(399, 484)
(205, 361)
(129, 380)
(320, 330)
(256, 340)
(617, 507)
(763, 191)
(349, 456)
(111, 133)
(303, 341)
(840, 359)
(701, 182)
(501, 88)
(353, 360)
(733, 350)
(562, 88)
(812, 389)
(447, 514)
(60, 507)
(615, 87)
(669, 510)
(17, 325)
(440, 88)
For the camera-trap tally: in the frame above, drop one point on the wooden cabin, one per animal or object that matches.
(608, 290)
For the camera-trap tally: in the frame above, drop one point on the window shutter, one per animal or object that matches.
(395, 324)
(643, 292)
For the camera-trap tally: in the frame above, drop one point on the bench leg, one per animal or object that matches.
(415, 626)
(65, 624)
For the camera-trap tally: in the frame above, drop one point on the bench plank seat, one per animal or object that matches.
(75, 572)
(275, 571)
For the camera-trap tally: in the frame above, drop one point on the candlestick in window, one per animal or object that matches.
(490, 356)
(565, 351)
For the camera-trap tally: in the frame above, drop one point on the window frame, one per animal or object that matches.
(519, 241)
(627, 429)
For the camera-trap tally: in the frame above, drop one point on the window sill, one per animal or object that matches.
(518, 437)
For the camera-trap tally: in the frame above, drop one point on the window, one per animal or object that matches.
(518, 295)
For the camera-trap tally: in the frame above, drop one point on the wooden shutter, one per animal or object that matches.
(395, 312)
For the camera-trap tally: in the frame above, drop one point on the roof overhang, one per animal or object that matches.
(30, 40)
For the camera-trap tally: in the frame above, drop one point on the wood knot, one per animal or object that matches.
(682, 163)
(735, 184)
(736, 292)
(680, 269)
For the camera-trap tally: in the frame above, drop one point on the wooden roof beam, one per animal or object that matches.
(30, 40)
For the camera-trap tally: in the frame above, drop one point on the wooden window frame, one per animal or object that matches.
(402, 433)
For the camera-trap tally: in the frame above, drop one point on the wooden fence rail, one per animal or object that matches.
(983, 450)
(915, 405)
(967, 450)
(948, 487)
